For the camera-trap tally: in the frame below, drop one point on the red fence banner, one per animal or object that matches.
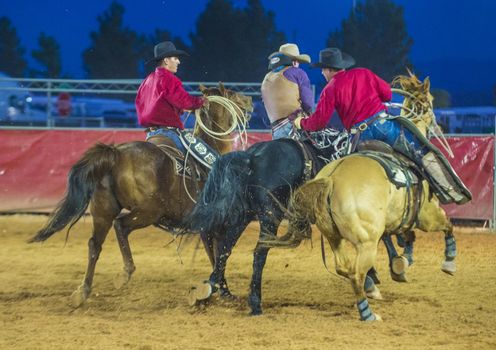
(34, 165)
(473, 161)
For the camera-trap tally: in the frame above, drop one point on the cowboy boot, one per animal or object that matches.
(450, 187)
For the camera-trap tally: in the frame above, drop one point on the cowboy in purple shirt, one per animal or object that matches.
(286, 89)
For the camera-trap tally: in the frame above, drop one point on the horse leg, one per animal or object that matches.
(405, 241)
(408, 246)
(366, 254)
(104, 208)
(343, 267)
(217, 282)
(101, 227)
(268, 227)
(208, 244)
(449, 265)
(341, 260)
(397, 263)
(433, 218)
(123, 226)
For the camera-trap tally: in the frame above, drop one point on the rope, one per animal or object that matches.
(239, 121)
(414, 115)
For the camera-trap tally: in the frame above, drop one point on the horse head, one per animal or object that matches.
(417, 105)
(220, 115)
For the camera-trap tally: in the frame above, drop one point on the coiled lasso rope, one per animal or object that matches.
(414, 114)
(239, 122)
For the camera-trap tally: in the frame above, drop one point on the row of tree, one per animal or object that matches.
(229, 44)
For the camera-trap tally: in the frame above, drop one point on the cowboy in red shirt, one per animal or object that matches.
(358, 95)
(161, 97)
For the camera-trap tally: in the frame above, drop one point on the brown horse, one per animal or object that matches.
(352, 200)
(134, 185)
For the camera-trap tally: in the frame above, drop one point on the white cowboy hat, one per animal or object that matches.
(293, 52)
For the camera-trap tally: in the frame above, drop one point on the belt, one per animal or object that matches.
(155, 128)
(279, 123)
(364, 124)
(291, 117)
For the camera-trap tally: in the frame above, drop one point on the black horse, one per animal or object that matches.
(241, 187)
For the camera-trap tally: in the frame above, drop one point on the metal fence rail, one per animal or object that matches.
(118, 86)
(121, 90)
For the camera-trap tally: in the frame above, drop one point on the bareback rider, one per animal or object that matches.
(161, 97)
(358, 96)
(286, 89)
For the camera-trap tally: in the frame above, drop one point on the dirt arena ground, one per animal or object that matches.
(305, 307)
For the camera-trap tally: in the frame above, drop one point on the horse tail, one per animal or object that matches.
(321, 205)
(223, 201)
(83, 178)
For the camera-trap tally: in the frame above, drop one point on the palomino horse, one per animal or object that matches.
(352, 200)
(139, 178)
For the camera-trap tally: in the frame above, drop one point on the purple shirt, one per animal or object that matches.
(300, 77)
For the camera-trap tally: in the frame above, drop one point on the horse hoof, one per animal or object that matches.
(228, 297)
(399, 264)
(377, 317)
(121, 279)
(78, 297)
(200, 292)
(449, 267)
(374, 293)
(399, 278)
(257, 312)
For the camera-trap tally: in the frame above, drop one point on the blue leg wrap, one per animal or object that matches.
(408, 252)
(369, 283)
(364, 310)
(400, 240)
(390, 248)
(450, 251)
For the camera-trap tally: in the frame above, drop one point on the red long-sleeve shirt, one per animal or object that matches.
(356, 95)
(161, 100)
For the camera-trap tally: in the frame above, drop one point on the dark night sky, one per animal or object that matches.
(454, 41)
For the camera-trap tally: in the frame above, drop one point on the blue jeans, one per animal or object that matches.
(282, 131)
(390, 132)
(170, 133)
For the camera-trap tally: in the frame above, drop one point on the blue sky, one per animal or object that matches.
(454, 41)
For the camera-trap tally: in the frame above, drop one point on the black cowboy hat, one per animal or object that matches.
(165, 49)
(332, 57)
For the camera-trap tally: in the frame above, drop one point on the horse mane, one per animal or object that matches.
(414, 86)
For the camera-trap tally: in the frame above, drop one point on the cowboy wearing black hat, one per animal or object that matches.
(358, 95)
(161, 97)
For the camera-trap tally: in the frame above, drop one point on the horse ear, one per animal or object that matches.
(222, 88)
(427, 84)
(410, 72)
(202, 88)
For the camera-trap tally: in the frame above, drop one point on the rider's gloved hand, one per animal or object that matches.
(297, 122)
(205, 104)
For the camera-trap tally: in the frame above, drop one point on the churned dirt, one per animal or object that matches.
(305, 307)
